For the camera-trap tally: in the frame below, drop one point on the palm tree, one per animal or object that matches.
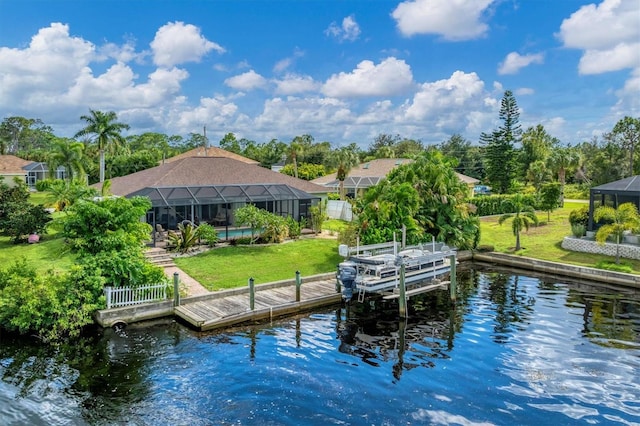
(295, 149)
(343, 159)
(106, 131)
(624, 218)
(523, 216)
(67, 153)
(560, 160)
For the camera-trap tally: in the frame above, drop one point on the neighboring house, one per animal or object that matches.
(211, 151)
(209, 189)
(366, 175)
(28, 171)
(277, 167)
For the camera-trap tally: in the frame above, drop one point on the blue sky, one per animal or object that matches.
(341, 70)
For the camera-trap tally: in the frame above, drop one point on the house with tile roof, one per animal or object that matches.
(209, 188)
(368, 174)
(27, 171)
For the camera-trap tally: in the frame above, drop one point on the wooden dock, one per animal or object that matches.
(226, 308)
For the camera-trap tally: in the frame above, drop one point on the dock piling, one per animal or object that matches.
(176, 289)
(403, 294)
(298, 283)
(252, 294)
(452, 284)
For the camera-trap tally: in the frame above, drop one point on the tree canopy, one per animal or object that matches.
(427, 197)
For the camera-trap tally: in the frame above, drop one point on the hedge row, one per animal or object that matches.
(489, 205)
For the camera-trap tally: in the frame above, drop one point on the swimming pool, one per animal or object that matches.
(226, 234)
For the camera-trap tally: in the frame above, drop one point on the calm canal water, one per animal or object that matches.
(515, 350)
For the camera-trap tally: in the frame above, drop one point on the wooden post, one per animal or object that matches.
(338, 286)
(452, 283)
(176, 289)
(298, 283)
(252, 294)
(403, 294)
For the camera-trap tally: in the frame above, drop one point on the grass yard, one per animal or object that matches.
(542, 242)
(231, 267)
(50, 253)
(39, 197)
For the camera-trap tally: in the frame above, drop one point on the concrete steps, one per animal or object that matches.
(159, 257)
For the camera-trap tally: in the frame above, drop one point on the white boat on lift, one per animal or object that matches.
(376, 268)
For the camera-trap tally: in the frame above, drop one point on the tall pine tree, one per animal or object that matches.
(500, 154)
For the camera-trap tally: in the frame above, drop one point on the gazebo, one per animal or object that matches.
(613, 194)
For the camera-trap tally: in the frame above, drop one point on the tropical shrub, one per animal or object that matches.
(106, 225)
(318, 216)
(208, 234)
(275, 228)
(44, 184)
(294, 228)
(616, 222)
(185, 240)
(578, 230)
(23, 219)
(579, 216)
(52, 306)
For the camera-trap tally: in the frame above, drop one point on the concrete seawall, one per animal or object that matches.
(131, 314)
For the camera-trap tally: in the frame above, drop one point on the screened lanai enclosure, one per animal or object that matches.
(613, 194)
(215, 204)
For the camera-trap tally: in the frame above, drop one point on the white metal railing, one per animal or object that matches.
(125, 296)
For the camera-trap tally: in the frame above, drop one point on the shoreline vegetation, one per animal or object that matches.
(231, 266)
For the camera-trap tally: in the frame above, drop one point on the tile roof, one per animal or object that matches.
(206, 171)
(370, 173)
(10, 164)
(211, 151)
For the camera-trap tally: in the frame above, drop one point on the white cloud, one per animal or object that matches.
(247, 81)
(348, 31)
(524, 91)
(295, 115)
(51, 62)
(176, 43)
(621, 56)
(116, 87)
(125, 53)
(447, 105)
(514, 62)
(608, 33)
(293, 84)
(285, 63)
(215, 113)
(453, 20)
(389, 78)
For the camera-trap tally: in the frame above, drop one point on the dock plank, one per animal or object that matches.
(234, 308)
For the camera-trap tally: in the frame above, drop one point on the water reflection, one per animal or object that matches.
(514, 350)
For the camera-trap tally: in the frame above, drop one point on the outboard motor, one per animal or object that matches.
(347, 277)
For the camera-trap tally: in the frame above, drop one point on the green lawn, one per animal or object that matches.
(542, 242)
(39, 197)
(50, 253)
(230, 267)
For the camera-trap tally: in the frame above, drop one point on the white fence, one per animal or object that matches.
(337, 209)
(126, 296)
